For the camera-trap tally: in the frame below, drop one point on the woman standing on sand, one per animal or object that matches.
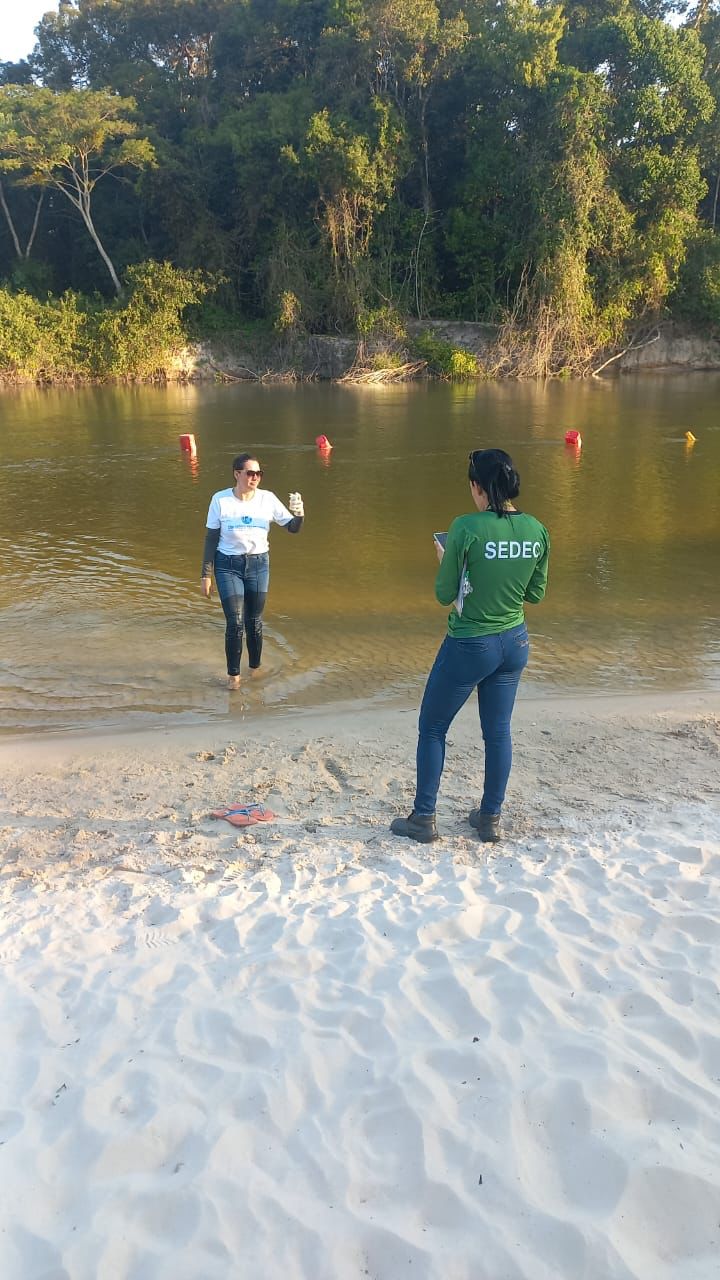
(236, 547)
(494, 560)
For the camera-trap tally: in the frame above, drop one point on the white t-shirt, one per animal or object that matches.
(244, 525)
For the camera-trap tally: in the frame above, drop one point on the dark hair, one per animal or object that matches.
(242, 458)
(493, 471)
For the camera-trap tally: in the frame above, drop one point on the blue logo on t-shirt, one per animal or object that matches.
(246, 519)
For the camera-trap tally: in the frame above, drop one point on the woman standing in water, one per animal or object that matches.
(494, 561)
(236, 548)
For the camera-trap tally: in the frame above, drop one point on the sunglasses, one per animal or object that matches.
(254, 475)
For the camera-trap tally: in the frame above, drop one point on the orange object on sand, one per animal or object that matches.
(244, 815)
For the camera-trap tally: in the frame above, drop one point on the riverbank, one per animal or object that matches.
(308, 1048)
(442, 343)
(432, 349)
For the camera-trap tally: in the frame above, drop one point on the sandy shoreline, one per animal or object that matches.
(309, 1049)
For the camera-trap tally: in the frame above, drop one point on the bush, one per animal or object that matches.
(380, 360)
(288, 318)
(74, 337)
(138, 337)
(29, 275)
(381, 322)
(697, 294)
(445, 360)
(44, 341)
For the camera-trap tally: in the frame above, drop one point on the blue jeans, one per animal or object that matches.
(242, 583)
(492, 664)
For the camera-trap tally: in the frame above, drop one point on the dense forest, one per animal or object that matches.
(343, 165)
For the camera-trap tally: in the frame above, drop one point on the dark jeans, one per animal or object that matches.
(242, 583)
(493, 665)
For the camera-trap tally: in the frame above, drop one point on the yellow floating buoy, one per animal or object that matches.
(690, 438)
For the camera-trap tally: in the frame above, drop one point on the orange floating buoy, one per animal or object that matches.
(574, 438)
(689, 437)
(323, 443)
(187, 444)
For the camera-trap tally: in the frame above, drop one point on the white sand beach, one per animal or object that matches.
(310, 1050)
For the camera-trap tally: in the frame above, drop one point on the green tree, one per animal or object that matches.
(355, 174)
(69, 142)
(135, 43)
(704, 20)
(581, 174)
(22, 253)
(415, 45)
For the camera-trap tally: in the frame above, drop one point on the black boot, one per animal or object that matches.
(487, 825)
(417, 826)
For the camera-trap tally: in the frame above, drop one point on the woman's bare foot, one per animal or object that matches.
(256, 672)
(233, 682)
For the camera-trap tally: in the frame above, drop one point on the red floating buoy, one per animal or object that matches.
(323, 443)
(574, 438)
(187, 444)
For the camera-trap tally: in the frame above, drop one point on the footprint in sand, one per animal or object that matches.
(158, 912)
(337, 774)
(156, 915)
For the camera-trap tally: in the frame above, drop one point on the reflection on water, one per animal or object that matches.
(102, 518)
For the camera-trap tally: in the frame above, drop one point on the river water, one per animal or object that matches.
(102, 519)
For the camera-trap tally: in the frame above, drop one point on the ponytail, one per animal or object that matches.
(493, 471)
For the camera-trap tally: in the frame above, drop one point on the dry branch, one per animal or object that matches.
(400, 373)
(633, 346)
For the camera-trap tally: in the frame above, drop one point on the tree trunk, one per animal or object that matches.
(87, 219)
(10, 222)
(425, 154)
(36, 219)
(425, 182)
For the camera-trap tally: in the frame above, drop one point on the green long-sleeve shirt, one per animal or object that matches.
(507, 564)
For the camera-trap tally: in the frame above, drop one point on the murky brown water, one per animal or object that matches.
(102, 519)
